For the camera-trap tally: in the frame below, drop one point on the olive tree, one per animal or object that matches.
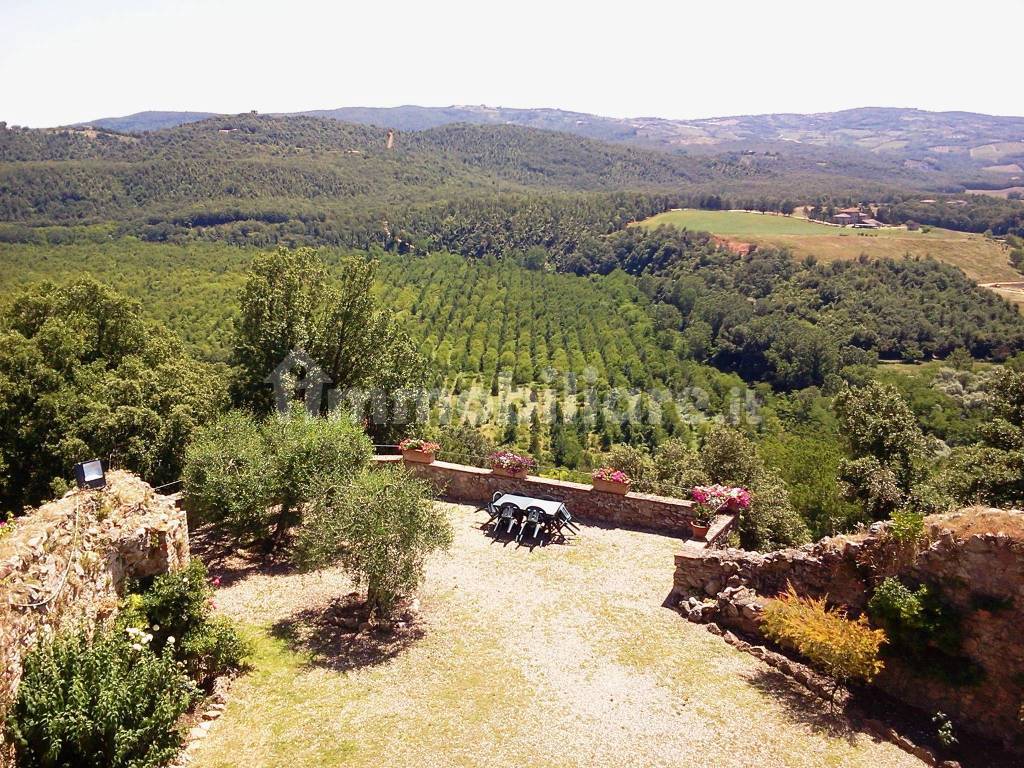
(256, 477)
(379, 527)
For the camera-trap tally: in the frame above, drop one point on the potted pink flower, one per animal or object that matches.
(418, 451)
(713, 500)
(611, 480)
(511, 464)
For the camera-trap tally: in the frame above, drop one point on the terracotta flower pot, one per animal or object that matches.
(607, 486)
(519, 474)
(699, 530)
(418, 457)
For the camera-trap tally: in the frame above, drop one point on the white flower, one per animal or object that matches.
(137, 646)
(155, 627)
(170, 639)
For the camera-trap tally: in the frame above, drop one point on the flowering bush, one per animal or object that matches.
(611, 475)
(175, 615)
(712, 499)
(419, 444)
(512, 462)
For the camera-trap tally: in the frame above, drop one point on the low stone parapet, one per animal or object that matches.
(644, 511)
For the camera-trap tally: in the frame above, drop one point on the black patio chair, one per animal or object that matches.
(563, 519)
(534, 515)
(492, 511)
(508, 514)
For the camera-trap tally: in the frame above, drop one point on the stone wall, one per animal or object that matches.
(461, 483)
(975, 558)
(68, 561)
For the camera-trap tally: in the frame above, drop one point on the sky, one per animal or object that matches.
(65, 61)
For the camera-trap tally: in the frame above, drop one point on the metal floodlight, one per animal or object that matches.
(89, 474)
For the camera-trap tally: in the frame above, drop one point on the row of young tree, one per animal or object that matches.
(85, 375)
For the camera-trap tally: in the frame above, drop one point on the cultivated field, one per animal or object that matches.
(981, 259)
(996, 192)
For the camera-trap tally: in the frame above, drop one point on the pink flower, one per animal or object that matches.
(215, 581)
(511, 462)
(719, 496)
(611, 475)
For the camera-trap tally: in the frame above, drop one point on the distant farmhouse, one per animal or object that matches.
(855, 217)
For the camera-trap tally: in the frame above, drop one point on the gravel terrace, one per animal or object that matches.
(557, 656)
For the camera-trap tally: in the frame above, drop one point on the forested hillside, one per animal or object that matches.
(325, 181)
(961, 147)
(504, 256)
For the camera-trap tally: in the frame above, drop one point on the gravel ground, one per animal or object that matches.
(558, 656)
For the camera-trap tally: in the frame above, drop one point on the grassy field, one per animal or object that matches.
(559, 657)
(981, 259)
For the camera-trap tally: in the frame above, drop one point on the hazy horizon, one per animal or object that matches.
(455, 105)
(118, 57)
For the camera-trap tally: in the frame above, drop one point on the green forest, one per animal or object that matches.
(494, 268)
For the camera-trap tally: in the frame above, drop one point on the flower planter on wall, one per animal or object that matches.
(418, 457)
(699, 531)
(519, 474)
(607, 486)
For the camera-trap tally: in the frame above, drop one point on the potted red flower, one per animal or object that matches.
(611, 480)
(418, 451)
(511, 464)
(713, 500)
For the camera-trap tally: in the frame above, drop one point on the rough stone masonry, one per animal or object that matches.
(975, 558)
(67, 562)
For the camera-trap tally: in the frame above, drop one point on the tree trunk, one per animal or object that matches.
(283, 520)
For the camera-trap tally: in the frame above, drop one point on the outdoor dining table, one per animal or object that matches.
(551, 510)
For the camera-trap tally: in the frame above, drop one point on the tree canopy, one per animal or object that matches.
(83, 376)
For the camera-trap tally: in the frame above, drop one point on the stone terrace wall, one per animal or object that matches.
(68, 560)
(974, 557)
(474, 485)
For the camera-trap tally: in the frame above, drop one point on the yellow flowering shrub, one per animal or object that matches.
(840, 647)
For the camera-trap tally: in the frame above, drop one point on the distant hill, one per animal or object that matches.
(146, 121)
(980, 151)
(262, 179)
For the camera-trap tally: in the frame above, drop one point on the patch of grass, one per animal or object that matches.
(278, 714)
(979, 257)
(736, 223)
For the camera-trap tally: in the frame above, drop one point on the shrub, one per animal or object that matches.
(104, 702)
(842, 648)
(635, 463)
(463, 444)
(177, 606)
(771, 522)
(228, 474)
(255, 477)
(923, 630)
(380, 527)
(6, 525)
(676, 468)
(729, 457)
(906, 527)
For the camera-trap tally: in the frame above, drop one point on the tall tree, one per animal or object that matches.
(83, 376)
(292, 302)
